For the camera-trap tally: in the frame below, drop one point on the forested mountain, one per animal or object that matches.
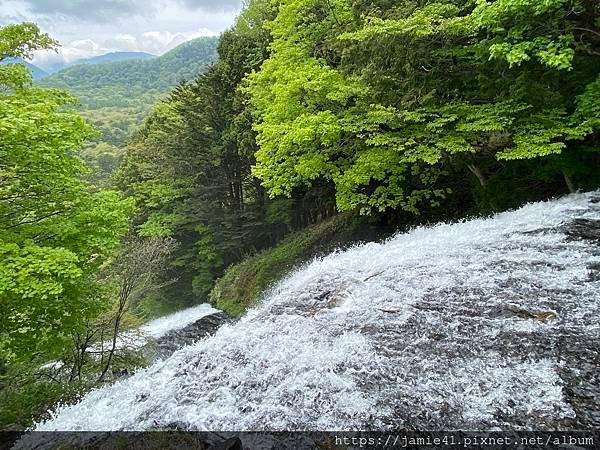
(132, 83)
(108, 57)
(112, 57)
(116, 96)
(36, 72)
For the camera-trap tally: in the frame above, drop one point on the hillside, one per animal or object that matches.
(133, 82)
(36, 72)
(116, 95)
(101, 59)
(113, 57)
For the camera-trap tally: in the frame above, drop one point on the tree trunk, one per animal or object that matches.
(112, 349)
(478, 173)
(123, 297)
(569, 182)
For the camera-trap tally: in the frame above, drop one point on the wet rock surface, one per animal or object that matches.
(206, 326)
(584, 229)
(487, 324)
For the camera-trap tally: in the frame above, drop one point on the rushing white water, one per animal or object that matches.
(160, 327)
(176, 321)
(413, 332)
(137, 338)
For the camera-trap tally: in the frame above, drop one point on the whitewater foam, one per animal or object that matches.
(410, 332)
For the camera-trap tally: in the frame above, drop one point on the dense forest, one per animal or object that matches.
(397, 113)
(317, 115)
(116, 91)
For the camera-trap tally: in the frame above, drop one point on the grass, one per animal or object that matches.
(243, 284)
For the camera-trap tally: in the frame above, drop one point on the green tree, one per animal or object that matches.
(55, 231)
(190, 168)
(390, 100)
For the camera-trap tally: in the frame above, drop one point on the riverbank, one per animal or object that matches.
(243, 284)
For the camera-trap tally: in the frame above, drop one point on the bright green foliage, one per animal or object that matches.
(388, 100)
(54, 231)
(315, 122)
(20, 41)
(189, 167)
(513, 30)
(587, 113)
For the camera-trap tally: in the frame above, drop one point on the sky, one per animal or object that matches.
(88, 28)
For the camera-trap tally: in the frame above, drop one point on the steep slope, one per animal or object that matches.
(36, 72)
(475, 325)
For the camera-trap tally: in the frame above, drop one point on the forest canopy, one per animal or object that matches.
(384, 99)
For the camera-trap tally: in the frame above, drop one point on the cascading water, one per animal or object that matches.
(161, 327)
(476, 325)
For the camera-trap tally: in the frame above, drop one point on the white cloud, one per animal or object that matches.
(77, 49)
(89, 28)
(155, 42)
(107, 11)
(125, 42)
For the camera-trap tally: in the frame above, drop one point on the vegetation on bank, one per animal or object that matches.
(243, 283)
(381, 108)
(70, 271)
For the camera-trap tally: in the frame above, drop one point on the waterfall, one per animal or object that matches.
(161, 327)
(476, 325)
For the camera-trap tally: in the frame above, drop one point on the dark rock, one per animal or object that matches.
(173, 341)
(594, 272)
(121, 373)
(233, 443)
(584, 229)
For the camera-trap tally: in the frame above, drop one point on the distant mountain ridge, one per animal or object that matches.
(160, 73)
(100, 59)
(36, 72)
(112, 57)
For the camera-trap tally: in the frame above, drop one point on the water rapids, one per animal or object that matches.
(484, 324)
